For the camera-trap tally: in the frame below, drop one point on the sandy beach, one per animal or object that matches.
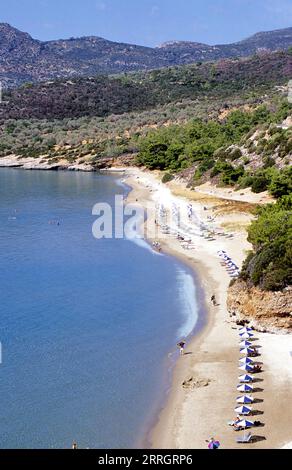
(203, 408)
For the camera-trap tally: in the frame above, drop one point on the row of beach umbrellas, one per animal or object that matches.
(245, 386)
(231, 267)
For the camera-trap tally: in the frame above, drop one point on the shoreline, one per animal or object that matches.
(186, 420)
(170, 362)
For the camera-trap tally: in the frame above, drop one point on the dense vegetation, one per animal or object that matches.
(115, 135)
(270, 265)
(178, 147)
(212, 149)
(104, 95)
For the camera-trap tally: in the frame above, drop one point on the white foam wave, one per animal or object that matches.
(133, 236)
(188, 299)
(121, 183)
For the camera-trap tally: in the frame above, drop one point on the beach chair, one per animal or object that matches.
(245, 439)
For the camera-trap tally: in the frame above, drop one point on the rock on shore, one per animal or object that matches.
(265, 310)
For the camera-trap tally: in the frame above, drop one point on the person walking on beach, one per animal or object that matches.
(213, 300)
(181, 346)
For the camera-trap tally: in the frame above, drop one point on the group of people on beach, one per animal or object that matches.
(156, 246)
(213, 300)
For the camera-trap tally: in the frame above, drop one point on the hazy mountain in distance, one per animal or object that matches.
(24, 59)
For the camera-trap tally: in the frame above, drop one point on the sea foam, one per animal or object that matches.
(133, 236)
(188, 298)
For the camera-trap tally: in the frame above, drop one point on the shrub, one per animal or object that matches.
(245, 181)
(269, 265)
(167, 177)
(236, 154)
(231, 175)
(259, 183)
(281, 183)
(269, 162)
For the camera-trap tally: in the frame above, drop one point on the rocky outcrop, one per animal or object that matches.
(13, 161)
(42, 163)
(264, 310)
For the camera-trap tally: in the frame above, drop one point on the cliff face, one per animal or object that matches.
(265, 310)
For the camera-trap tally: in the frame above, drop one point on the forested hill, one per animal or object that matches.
(25, 59)
(104, 95)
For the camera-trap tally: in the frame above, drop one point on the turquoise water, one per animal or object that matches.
(86, 325)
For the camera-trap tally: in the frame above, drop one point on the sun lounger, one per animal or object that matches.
(245, 439)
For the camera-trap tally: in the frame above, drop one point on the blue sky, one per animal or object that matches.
(147, 22)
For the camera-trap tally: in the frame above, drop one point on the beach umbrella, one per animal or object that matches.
(213, 444)
(244, 399)
(245, 388)
(246, 360)
(245, 335)
(245, 328)
(245, 344)
(247, 351)
(246, 367)
(243, 410)
(245, 378)
(244, 423)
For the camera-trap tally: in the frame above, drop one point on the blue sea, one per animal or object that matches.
(88, 327)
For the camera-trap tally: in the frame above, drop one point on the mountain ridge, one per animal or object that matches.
(25, 59)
